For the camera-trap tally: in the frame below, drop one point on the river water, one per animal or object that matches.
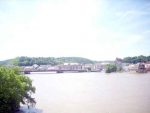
(91, 93)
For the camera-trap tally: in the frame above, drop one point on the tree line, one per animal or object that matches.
(29, 61)
(136, 59)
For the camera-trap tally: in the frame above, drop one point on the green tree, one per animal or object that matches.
(14, 89)
(136, 59)
(142, 58)
(111, 68)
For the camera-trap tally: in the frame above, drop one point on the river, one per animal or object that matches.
(91, 93)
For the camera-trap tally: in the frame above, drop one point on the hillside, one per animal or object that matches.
(28, 61)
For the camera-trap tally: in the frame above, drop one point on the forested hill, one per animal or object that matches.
(136, 59)
(29, 61)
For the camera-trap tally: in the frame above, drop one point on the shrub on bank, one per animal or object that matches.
(111, 68)
(14, 89)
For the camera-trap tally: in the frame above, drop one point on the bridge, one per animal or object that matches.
(57, 71)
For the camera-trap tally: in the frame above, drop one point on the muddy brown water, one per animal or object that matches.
(91, 93)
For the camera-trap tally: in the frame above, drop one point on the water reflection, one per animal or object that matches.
(25, 109)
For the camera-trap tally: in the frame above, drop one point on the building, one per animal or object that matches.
(70, 67)
(43, 67)
(141, 68)
(52, 68)
(133, 67)
(28, 68)
(147, 66)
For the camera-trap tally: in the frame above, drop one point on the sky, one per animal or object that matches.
(94, 29)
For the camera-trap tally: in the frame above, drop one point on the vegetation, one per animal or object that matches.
(14, 89)
(136, 59)
(119, 68)
(111, 68)
(29, 61)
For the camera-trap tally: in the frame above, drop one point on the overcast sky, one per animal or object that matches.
(95, 29)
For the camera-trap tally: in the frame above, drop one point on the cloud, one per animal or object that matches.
(65, 28)
(130, 14)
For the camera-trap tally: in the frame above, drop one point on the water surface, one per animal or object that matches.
(92, 92)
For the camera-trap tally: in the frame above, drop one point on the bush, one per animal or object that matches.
(111, 68)
(14, 89)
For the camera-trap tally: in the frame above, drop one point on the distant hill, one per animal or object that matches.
(5, 62)
(29, 61)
